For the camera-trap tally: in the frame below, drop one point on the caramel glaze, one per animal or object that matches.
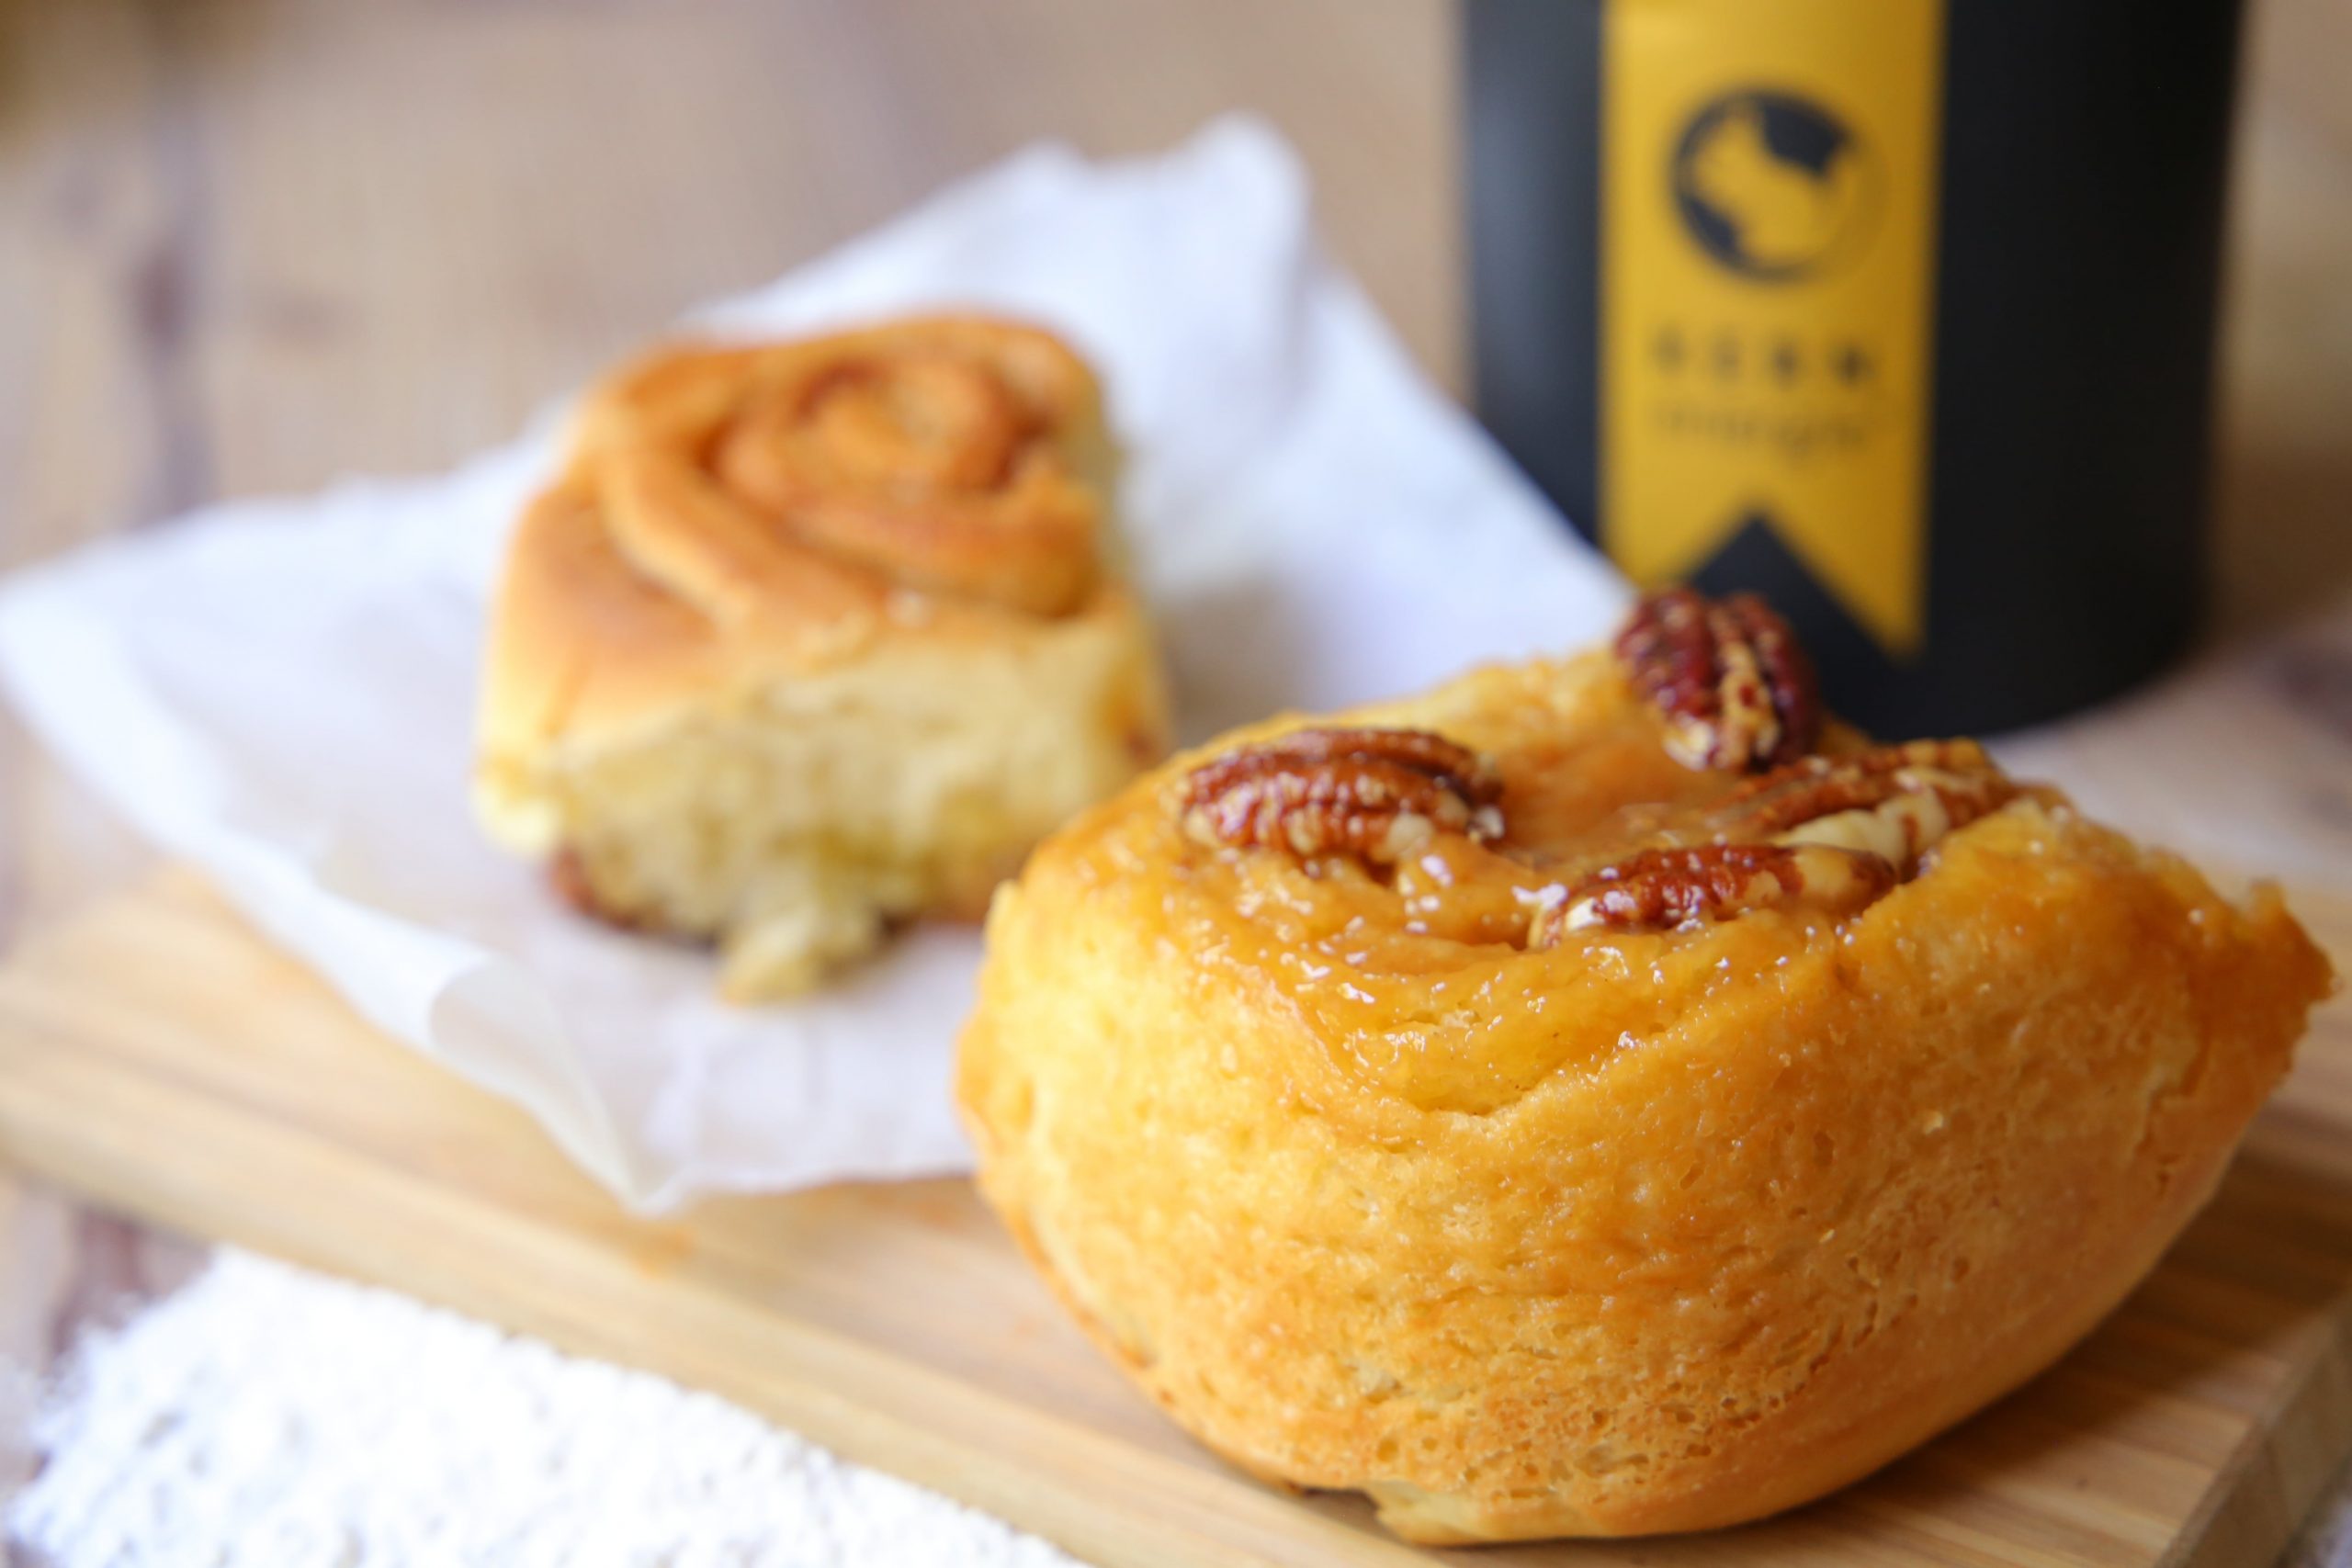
(1419, 982)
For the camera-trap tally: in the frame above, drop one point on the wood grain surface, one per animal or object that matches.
(247, 245)
(156, 1054)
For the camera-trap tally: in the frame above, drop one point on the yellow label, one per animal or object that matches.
(1769, 196)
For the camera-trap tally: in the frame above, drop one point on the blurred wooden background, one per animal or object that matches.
(248, 245)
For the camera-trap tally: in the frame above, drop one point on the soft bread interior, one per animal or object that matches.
(795, 821)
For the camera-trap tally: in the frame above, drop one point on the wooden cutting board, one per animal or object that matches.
(160, 1057)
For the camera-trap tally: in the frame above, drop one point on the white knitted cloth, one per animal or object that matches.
(264, 1415)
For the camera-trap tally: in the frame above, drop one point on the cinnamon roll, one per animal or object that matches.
(810, 638)
(1606, 1096)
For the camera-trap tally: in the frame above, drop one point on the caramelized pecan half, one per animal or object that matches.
(1376, 794)
(1829, 833)
(1659, 889)
(1735, 689)
(1893, 801)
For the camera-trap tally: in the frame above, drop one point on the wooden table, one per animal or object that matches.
(248, 245)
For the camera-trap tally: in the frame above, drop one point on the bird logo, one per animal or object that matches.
(1771, 184)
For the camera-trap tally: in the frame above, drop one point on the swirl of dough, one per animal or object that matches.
(955, 457)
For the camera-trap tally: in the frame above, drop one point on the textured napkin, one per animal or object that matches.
(281, 692)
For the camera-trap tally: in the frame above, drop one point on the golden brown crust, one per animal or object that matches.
(1638, 1231)
(733, 513)
(810, 639)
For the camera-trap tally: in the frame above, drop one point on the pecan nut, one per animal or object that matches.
(1662, 888)
(1376, 793)
(1893, 801)
(1832, 834)
(1736, 690)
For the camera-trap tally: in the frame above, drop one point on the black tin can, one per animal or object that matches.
(1898, 312)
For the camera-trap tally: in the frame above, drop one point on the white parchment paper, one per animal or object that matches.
(282, 692)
